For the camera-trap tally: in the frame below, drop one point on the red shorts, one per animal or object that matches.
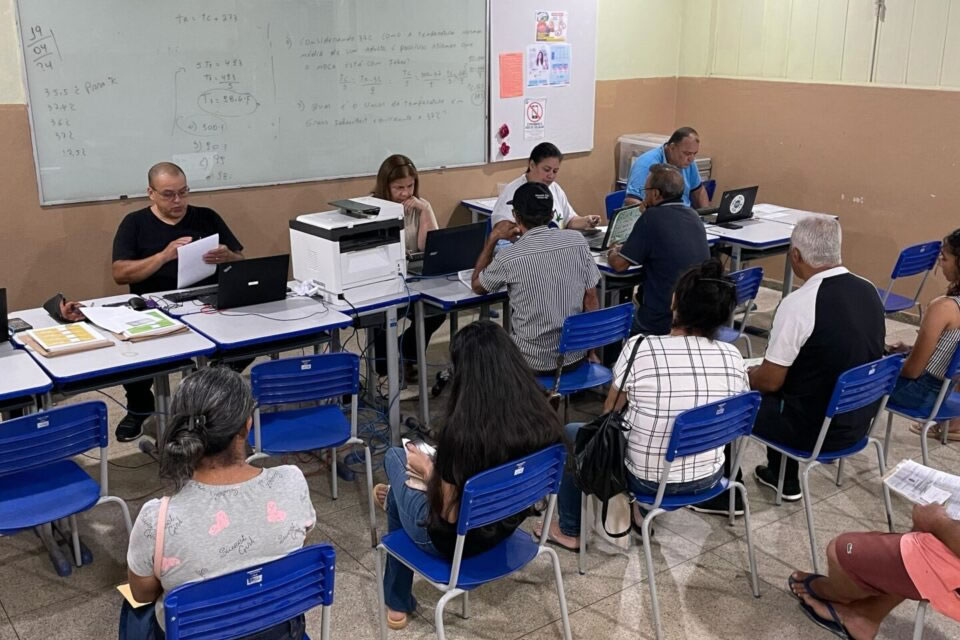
(873, 561)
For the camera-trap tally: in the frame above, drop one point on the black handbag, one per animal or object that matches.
(599, 452)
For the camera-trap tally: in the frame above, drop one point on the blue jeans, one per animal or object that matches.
(568, 497)
(916, 393)
(406, 509)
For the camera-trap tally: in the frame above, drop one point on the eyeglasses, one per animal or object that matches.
(172, 195)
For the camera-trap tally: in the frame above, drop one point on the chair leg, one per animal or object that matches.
(731, 516)
(380, 557)
(123, 508)
(840, 472)
(887, 506)
(924, 448)
(326, 613)
(582, 556)
(886, 436)
(373, 514)
(561, 594)
(438, 612)
(783, 474)
(918, 620)
(333, 472)
(944, 432)
(749, 346)
(754, 583)
(808, 508)
(651, 577)
(465, 606)
(75, 534)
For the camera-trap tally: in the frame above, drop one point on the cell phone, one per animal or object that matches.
(422, 446)
(16, 325)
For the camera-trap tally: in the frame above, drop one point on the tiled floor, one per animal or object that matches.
(700, 561)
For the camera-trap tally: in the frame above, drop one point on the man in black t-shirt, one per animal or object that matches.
(667, 240)
(145, 257)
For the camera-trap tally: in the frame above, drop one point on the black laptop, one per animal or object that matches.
(450, 250)
(4, 331)
(735, 205)
(250, 281)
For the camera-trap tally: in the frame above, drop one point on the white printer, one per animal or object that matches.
(355, 252)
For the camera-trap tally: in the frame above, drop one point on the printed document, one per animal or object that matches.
(191, 268)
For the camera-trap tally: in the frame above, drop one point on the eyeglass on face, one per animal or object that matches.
(172, 195)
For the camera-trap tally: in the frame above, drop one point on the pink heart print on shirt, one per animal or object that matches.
(274, 514)
(168, 563)
(222, 522)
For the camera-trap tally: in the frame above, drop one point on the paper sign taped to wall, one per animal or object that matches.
(511, 75)
(551, 26)
(538, 65)
(559, 65)
(534, 112)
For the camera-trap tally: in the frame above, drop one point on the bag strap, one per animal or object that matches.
(603, 521)
(161, 526)
(626, 372)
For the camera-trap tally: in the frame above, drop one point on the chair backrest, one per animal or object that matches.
(862, 386)
(252, 599)
(503, 491)
(953, 368)
(916, 259)
(592, 329)
(614, 200)
(712, 425)
(748, 283)
(711, 187)
(305, 378)
(42, 438)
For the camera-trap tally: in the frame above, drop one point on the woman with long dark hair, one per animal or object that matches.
(497, 412)
(224, 514)
(926, 366)
(668, 375)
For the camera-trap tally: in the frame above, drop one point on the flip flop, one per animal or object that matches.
(399, 623)
(935, 432)
(553, 542)
(806, 585)
(833, 626)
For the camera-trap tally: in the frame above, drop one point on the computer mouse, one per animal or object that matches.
(137, 303)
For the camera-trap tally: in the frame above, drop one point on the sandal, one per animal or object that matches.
(806, 585)
(935, 432)
(833, 625)
(397, 623)
(551, 541)
(382, 505)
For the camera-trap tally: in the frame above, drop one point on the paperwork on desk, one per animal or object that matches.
(923, 485)
(776, 213)
(191, 268)
(62, 339)
(133, 325)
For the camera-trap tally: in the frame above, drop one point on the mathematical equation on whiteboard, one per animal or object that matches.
(279, 77)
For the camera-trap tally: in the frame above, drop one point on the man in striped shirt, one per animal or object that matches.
(549, 274)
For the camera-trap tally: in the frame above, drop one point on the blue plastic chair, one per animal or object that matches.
(613, 201)
(39, 481)
(711, 187)
(919, 258)
(253, 599)
(748, 284)
(856, 388)
(695, 431)
(583, 331)
(945, 408)
(488, 497)
(309, 379)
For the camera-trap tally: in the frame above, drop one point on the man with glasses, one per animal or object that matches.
(681, 151)
(145, 258)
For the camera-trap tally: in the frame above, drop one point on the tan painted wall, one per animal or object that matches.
(885, 160)
(67, 248)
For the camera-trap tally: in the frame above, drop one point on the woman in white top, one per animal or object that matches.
(926, 366)
(224, 514)
(398, 181)
(669, 375)
(543, 166)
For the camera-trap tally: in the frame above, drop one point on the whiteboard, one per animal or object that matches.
(563, 96)
(248, 92)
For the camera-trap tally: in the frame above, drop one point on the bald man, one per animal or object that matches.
(145, 258)
(680, 151)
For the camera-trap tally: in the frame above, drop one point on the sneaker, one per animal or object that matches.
(130, 428)
(720, 505)
(768, 477)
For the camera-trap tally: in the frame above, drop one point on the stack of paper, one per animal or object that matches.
(130, 324)
(923, 485)
(67, 338)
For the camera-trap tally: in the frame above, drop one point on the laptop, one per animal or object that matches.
(450, 250)
(736, 204)
(619, 226)
(251, 281)
(4, 331)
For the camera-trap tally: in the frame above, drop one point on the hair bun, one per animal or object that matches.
(711, 268)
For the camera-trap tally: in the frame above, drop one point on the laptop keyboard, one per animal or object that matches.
(194, 294)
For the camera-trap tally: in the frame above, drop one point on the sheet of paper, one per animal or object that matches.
(559, 65)
(538, 65)
(511, 75)
(767, 208)
(534, 113)
(123, 320)
(923, 485)
(190, 265)
(551, 26)
(124, 590)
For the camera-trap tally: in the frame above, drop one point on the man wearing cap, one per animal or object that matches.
(549, 274)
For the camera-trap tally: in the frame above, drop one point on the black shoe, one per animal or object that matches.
(720, 505)
(768, 477)
(130, 428)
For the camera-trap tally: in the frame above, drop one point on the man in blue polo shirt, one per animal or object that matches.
(680, 150)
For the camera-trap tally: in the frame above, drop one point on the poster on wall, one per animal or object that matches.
(551, 26)
(534, 114)
(538, 65)
(559, 65)
(511, 75)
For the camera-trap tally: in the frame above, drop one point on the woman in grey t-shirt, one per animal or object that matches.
(225, 514)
